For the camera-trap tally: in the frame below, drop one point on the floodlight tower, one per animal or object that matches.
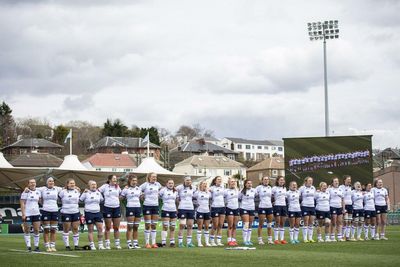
(324, 31)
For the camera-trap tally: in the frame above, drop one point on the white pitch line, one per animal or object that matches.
(46, 253)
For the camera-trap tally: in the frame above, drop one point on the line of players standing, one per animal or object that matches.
(340, 210)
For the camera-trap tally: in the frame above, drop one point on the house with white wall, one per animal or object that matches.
(256, 150)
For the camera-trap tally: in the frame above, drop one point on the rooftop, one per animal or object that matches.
(110, 160)
(36, 160)
(34, 143)
(255, 142)
(275, 163)
(200, 145)
(210, 161)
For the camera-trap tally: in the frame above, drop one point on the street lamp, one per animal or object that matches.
(324, 31)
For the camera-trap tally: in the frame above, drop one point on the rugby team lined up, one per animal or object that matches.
(339, 212)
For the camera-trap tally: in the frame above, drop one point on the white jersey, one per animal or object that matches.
(380, 195)
(369, 201)
(50, 197)
(132, 195)
(203, 200)
(322, 199)
(69, 201)
(168, 197)
(92, 200)
(150, 192)
(217, 196)
(357, 197)
(31, 202)
(279, 194)
(185, 196)
(264, 194)
(335, 197)
(307, 194)
(111, 195)
(231, 197)
(293, 198)
(347, 193)
(247, 200)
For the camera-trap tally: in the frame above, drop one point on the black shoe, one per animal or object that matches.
(163, 245)
(37, 249)
(68, 248)
(77, 248)
(172, 245)
(29, 249)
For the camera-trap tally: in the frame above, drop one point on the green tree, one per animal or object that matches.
(153, 133)
(59, 134)
(8, 132)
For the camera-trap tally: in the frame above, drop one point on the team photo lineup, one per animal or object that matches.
(342, 210)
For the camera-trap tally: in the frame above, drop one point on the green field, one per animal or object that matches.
(368, 253)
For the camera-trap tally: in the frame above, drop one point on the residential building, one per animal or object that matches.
(131, 145)
(28, 145)
(271, 167)
(210, 166)
(110, 162)
(391, 180)
(256, 150)
(198, 147)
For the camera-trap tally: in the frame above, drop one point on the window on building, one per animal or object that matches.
(280, 148)
(248, 156)
(274, 173)
(200, 170)
(274, 148)
(98, 169)
(252, 147)
(231, 156)
(266, 147)
(259, 147)
(227, 172)
(248, 146)
(239, 146)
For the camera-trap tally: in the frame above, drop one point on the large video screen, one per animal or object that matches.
(326, 157)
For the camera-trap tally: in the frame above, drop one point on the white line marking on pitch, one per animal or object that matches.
(46, 253)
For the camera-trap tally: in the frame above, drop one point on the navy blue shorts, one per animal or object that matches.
(203, 216)
(322, 214)
(232, 212)
(70, 217)
(247, 212)
(369, 214)
(381, 209)
(265, 211)
(150, 210)
(109, 213)
(50, 216)
(349, 209)
(186, 214)
(216, 212)
(31, 219)
(307, 211)
(133, 212)
(294, 214)
(336, 211)
(358, 213)
(280, 211)
(93, 217)
(168, 214)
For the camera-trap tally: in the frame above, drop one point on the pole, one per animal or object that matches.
(326, 92)
(70, 143)
(148, 144)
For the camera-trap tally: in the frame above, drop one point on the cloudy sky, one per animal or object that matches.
(241, 68)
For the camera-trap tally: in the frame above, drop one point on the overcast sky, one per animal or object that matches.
(241, 68)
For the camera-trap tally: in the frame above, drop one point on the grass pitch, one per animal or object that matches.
(368, 253)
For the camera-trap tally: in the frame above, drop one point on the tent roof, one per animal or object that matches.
(3, 162)
(71, 162)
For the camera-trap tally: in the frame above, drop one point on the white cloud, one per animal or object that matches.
(240, 68)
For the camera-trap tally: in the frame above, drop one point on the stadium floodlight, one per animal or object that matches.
(328, 29)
